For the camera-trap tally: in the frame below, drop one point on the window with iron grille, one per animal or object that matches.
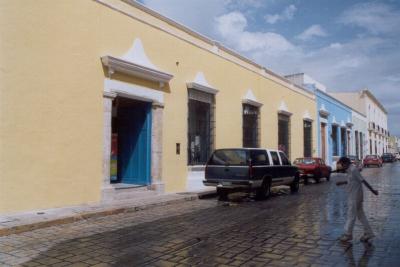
(343, 138)
(335, 143)
(357, 144)
(307, 127)
(250, 125)
(201, 126)
(361, 146)
(284, 134)
(370, 147)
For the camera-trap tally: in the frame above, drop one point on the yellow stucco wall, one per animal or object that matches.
(51, 105)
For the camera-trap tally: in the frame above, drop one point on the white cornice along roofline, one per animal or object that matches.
(200, 83)
(136, 63)
(367, 92)
(215, 46)
(251, 99)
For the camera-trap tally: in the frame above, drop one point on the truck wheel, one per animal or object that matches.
(305, 178)
(294, 186)
(265, 190)
(222, 194)
(317, 179)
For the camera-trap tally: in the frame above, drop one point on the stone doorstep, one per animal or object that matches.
(87, 212)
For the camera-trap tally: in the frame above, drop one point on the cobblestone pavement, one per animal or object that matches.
(285, 230)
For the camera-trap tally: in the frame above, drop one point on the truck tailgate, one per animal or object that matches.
(226, 173)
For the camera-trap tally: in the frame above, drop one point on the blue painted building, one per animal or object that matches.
(333, 120)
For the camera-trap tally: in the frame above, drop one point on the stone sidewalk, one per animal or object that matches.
(285, 230)
(15, 223)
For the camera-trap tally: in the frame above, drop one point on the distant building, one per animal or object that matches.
(393, 144)
(359, 134)
(366, 103)
(334, 121)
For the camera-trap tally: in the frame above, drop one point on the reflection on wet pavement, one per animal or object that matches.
(285, 230)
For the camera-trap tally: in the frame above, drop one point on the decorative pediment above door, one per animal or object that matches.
(136, 63)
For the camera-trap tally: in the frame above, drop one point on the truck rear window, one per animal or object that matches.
(229, 157)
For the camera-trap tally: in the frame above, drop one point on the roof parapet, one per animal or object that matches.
(216, 46)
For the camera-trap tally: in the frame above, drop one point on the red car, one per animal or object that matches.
(354, 160)
(313, 168)
(372, 160)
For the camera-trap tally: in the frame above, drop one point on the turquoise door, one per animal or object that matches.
(134, 143)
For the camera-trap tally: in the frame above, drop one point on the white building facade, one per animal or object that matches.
(359, 147)
(366, 103)
(393, 144)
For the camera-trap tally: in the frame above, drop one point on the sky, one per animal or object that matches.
(347, 45)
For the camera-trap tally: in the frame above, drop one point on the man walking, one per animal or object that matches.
(355, 200)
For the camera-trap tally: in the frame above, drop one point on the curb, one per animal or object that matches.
(207, 194)
(202, 194)
(96, 214)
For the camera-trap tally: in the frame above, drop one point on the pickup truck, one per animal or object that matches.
(250, 169)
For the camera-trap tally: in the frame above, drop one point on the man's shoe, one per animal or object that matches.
(346, 238)
(366, 237)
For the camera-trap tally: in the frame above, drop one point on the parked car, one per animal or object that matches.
(372, 160)
(388, 157)
(313, 168)
(250, 169)
(354, 160)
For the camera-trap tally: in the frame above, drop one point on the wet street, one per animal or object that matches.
(285, 230)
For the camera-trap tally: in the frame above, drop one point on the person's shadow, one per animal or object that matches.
(365, 257)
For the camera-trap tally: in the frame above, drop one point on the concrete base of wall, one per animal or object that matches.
(158, 187)
(195, 180)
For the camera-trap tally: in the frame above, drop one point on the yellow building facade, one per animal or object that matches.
(71, 72)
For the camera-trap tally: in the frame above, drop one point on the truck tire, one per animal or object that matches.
(222, 194)
(265, 190)
(295, 185)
